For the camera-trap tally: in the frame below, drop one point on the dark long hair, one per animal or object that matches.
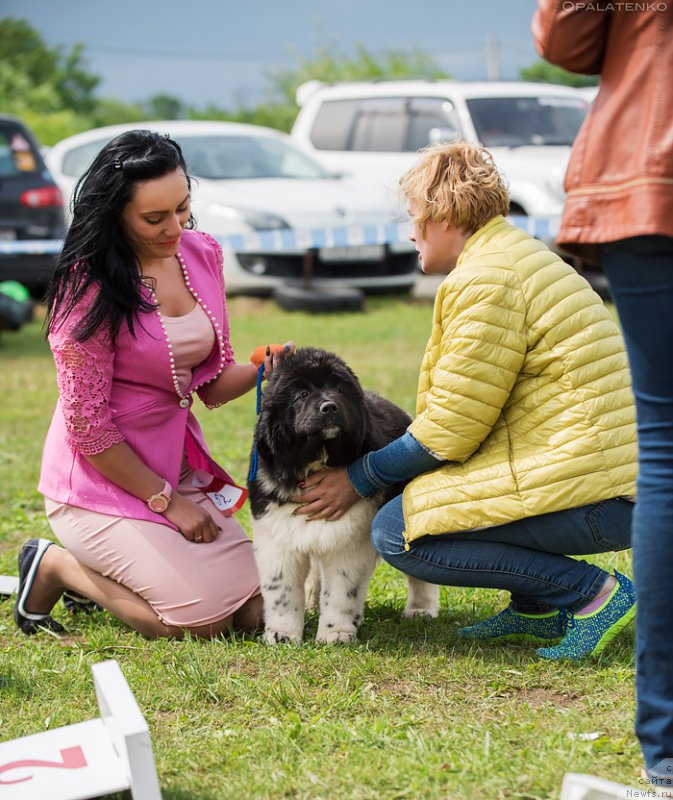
(96, 251)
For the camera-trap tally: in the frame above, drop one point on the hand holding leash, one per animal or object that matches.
(327, 494)
(270, 353)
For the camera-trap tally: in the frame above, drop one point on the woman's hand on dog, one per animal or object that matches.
(327, 494)
(193, 522)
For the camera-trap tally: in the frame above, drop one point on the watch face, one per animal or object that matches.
(158, 503)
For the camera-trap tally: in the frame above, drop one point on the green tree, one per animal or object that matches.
(330, 66)
(40, 107)
(271, 115)
(280, 107)
(54, 93)
(164, 106)
(544, 72)
(24, 52)
(50, 90)
(109, 111)
(75, 84)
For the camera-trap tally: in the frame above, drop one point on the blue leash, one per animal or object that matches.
(252, 474)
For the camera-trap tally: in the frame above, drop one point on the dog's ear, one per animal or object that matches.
(275, 444)
(272, 425)
(354, 378)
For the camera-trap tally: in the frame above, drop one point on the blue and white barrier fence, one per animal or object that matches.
(302, 239)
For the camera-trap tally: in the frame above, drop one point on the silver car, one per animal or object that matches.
(269, 203)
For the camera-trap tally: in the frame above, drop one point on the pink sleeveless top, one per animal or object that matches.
(192, 337)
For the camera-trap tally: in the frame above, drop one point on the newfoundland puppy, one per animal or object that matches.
(314, 416)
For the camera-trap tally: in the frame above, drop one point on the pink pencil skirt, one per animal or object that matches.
(187, 584)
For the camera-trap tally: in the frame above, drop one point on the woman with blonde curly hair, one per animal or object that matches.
(523, 449)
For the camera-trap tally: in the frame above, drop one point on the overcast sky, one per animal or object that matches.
(221, 51)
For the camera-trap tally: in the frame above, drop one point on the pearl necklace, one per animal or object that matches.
(185, 399)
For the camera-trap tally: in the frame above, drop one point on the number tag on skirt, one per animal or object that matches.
(228, 497)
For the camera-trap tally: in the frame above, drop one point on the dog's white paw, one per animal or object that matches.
(422, 599)
(410, 612)
(336, 637)
(281, 637)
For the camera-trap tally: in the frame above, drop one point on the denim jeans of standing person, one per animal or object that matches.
(527, 558)
(640, 272)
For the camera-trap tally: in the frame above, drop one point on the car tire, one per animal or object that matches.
(323, 300)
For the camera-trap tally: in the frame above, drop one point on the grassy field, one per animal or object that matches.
(408, 712)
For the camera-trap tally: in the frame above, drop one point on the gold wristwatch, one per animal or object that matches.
(159, 502)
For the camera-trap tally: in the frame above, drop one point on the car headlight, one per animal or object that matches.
(258, 220)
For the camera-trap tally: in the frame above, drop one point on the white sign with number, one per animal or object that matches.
(88, 759)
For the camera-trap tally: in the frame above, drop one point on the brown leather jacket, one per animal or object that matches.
(619, 181)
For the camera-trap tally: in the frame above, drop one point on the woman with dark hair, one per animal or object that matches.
(137, 323)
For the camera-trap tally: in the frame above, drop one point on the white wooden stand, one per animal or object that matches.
(8, 584)
(89, 759)
(587, 787)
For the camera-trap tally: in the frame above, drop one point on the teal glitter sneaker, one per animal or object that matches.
(589, 634)
(515, 626)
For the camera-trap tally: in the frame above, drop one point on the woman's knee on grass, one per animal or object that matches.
(247, 619)
(156, 628)
(211, 630)
(250, 616)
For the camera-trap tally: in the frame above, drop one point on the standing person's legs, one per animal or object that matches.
(640, 272)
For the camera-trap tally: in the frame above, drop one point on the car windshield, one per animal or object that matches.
(519, 121)
(222, 157)
(17, 154)
(77, 160)
(242, 157)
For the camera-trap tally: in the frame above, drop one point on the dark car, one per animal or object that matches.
(31, 206)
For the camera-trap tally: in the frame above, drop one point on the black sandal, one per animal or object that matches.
(74, 603)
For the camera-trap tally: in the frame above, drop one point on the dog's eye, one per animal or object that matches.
(302, 395)
(339, 389)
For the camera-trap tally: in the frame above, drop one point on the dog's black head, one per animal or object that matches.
(313, 405)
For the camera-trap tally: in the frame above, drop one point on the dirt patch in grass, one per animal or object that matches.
(247, 668)
(398, 688)
(542, 697)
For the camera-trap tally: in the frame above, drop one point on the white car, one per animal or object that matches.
(373, 130)
(261, 195)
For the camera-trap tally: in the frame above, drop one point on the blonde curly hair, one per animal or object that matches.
(457, 183)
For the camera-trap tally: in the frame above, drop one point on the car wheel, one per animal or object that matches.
(322, 300)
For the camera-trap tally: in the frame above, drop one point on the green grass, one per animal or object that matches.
(408, 712)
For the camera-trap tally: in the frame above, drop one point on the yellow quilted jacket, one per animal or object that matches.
(524, 391)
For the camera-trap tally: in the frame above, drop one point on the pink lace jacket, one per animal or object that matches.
(126, 393)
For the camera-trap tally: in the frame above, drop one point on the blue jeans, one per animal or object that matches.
(640, 271)
(528, 558)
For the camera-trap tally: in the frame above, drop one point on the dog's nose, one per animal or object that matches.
(328, 407)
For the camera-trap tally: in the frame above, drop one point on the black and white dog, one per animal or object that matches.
(314, 416)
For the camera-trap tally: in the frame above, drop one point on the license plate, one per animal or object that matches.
(7, 235)
(364, 252)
